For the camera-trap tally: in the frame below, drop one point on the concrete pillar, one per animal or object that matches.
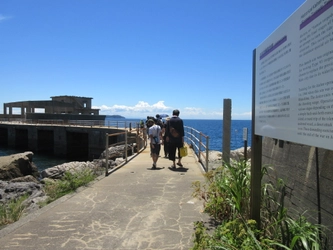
(32, 138)
(96, 143)
(60, 141)
(226, 130)
(11, 136)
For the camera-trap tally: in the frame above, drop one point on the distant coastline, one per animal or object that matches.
(115, 116)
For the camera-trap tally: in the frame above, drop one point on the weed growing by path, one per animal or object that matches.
(69, 183)
(12, 211)
(226, 196)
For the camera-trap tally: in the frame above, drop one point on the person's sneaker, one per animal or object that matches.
(153, 167)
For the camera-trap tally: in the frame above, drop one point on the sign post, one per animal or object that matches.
(245, 136)
(226, 130)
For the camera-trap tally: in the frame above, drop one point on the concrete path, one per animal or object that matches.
(132, 208)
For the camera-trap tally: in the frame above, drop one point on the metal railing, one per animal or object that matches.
(199, 143)
(122, 124)
(141, 144)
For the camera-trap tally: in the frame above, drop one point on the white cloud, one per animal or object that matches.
(196, 112)
(143, 109)
(2, 17)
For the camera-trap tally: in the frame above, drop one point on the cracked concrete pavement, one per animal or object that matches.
(134, 207)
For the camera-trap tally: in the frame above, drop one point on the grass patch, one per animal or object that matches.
(69, 183)
(13, 211)
(54, 189)
(226, 196)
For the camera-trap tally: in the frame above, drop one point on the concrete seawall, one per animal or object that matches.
(64, 141)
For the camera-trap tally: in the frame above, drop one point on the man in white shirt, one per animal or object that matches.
(155, 135)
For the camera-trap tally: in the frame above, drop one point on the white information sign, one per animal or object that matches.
(294, 78)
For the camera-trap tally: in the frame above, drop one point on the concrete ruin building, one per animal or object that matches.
(59, 107)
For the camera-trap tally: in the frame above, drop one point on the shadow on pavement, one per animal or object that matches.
(182, 169)
(157, 168)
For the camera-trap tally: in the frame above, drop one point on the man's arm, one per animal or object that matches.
(161, 135)
(151, 138)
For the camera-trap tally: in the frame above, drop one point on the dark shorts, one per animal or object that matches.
(156, 150)
(173, 147)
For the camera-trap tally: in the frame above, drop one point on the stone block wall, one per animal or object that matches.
(296, 165)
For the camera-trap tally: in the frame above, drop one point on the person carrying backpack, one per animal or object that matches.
(175, 137)
(155, 135)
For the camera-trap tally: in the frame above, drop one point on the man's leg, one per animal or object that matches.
(156, 153)
(179, 163)
(172, 153)
(155, 157)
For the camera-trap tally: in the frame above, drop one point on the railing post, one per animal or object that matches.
(207, 153)
(126, 145)
(137, 137)
(199, 153)
(192, 139)
(106, 154)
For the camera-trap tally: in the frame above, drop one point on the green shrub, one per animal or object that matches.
(226, 196)
(12, 211)
(226, 192)
(301, 234)
(68, 183)
(230, 235)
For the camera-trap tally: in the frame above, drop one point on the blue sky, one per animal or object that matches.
(136, 57)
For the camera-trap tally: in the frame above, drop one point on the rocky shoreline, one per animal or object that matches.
(19, 175)
(215, 157)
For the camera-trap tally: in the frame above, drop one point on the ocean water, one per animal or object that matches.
(214, 129)
(211, 128)
(42, 161)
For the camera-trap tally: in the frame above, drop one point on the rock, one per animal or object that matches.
(58, 171)
(238, 154)
(27, 178)
(101, 163)
(13, 190)
(119, 161)
(32, 203)
(19, 175)
(215, 157)
(118, 152)
(17, 165)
